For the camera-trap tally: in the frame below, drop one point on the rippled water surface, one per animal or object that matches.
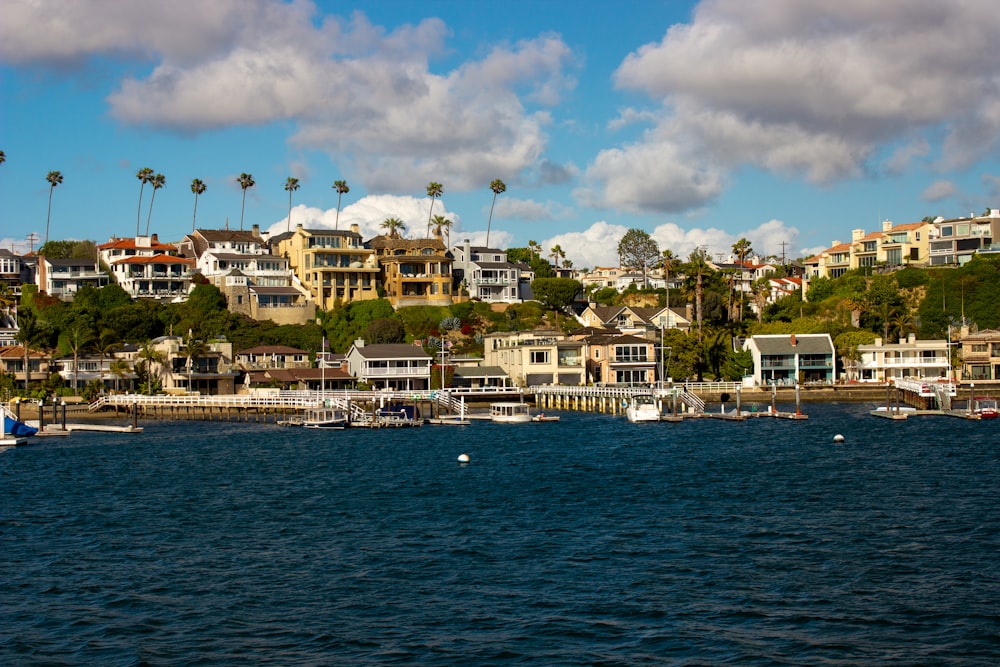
(588, 541)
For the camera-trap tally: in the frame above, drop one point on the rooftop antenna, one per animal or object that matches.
(32, 237)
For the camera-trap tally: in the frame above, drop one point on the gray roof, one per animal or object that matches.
(392, 351)
(479, 372)
(804, 344)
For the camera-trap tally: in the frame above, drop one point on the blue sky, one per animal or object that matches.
(785, 122)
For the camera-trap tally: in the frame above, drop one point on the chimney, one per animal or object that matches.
(794, 342)
(886, 225)
(857, 234)
(255, 230)
(355, 228)
(911, 339)
(359, 342)
(689, 312)
(154, 239)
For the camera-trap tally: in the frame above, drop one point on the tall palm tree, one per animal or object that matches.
(393, 226)
(144, 175)
(342, 189)
(497, 186)
(434, 191)
(77, 339)
(192, 350)
(246, 181)
(697, 265)
(442, 223)
(198, 187)
(742, 249)
(157, 182)
(668, 264)
(54, 178)
(556, 252)
(291, 185)
(3, 157)
(151, 356)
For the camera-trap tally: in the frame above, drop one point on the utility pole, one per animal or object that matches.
(783, 244)
(32, 237)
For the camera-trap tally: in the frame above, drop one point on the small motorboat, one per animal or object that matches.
(642, 408)
(325, 417)
(510, 413)
(542, 417)
(985, 407)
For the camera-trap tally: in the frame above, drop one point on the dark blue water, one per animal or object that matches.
(589, 541)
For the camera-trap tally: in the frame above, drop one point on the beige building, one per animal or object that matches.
(981, 355)
(414, 272)
(538, 357)
(333, 265)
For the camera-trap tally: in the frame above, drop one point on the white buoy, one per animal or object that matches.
(463, 458)
(838, 438)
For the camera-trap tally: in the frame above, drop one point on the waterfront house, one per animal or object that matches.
(264, 357)
(63, 278)
(956, 240)
(10, 269)
(334, 266)
(146, 268)
(211, 372)
(397, 366)
(635, 320)
(414, 272)
(537, 357)
(620, 359)
(908, 359)
(486, 274)
(12, 362)
(981, 355)
(792, 358)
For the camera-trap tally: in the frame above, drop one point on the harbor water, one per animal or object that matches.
(579, 542)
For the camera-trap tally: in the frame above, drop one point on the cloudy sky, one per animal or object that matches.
(787, 122)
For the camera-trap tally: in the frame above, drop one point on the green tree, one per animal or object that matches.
(385, 330)
(246, 182)
(342, 189)
(498, 187)
(144, 175)
(150, 356)
(77, 339)
(846, 344)
(638, 251)
(742, 249)
(434, 191)
(291, 185)
(30, 332)
(696, 268)
(198, 187)
(54, 178)
(555, 293)
(119, 368)
(556, 253)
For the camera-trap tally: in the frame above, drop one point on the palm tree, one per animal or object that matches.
(3, 157)
(556, 253)
(697, 265)
(668, 264)
(441, 222)
(198, 188)
(54, 178)
(742, 249)
(151, 356)
(342, 189)
(246, 181)
(434, 191)
(144, 175)
(192, 349)
(157, 182)
(393, 226)
(120, 368)
(291, 185)
(77, 339)
(536, 248)
(105, 346)
(497, 186)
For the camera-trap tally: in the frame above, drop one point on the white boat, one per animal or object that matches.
(325, 417)
(642, 408)
(510, 413)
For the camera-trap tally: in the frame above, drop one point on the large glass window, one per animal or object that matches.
(540, 356)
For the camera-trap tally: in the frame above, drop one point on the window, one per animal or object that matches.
(630, 353)
(539, 356)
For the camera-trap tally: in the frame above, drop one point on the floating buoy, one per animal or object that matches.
(463, 458)
(838, 438)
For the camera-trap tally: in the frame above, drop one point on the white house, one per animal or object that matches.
(912, 358)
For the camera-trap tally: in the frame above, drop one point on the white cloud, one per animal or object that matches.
(939, 190)
(529, 209)
(811, 90)
(369, 213)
